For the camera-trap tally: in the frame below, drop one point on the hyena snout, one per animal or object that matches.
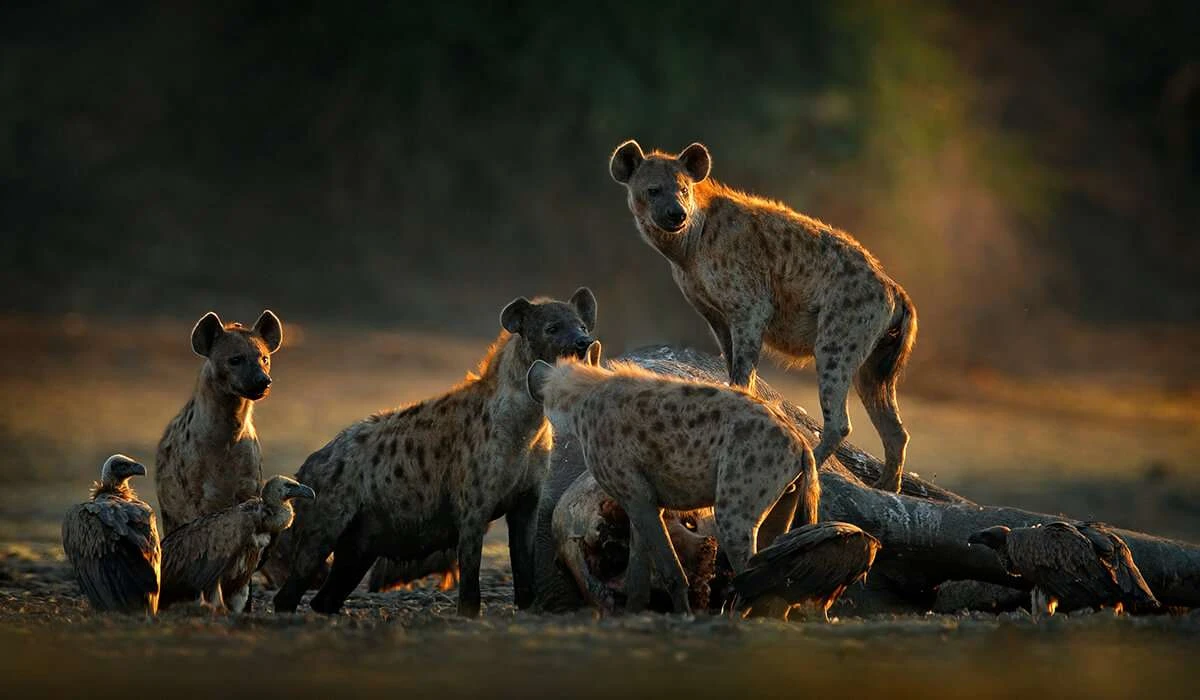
(256, 386)
(582, 343)
(671, 217)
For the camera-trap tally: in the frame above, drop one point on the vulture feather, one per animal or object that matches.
(1071, 566)
(112, 543)
(221, 551)
(806, 565)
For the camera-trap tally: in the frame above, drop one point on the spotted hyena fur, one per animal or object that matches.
(411, 482)
(209, 459)
(759, 272)
(654, 442)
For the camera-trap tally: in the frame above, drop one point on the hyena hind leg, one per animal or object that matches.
(880, 402)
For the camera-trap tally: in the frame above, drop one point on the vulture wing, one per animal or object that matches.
(1116, 556)
(196, 556)
(809, 561)
(1061, 560)
(113, 545)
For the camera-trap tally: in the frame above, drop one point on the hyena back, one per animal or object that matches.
(655, 442)
(208, 458)
(407, 483)
(759, 272)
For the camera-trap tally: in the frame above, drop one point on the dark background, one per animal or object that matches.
(1028, 170)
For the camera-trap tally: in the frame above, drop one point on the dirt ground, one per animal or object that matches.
(76, 391)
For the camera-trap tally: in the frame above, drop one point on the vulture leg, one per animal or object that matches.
(1041, 605)
(236, 600)
(213, 598)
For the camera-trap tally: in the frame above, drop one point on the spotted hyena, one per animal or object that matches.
(654, 442)
(411, 482)
(209, 459)
(759, 272)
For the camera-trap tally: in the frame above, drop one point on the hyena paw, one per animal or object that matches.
(888, 483)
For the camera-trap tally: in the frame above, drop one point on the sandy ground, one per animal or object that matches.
(74, 392)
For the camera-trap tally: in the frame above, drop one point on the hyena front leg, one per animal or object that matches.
(637, 574)
(645, 518)
(720, 331)
(471, 529)
(746, 328)
(520, 519)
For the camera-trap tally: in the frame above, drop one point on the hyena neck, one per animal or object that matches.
(503, 373)
(219, 414)
(678, 247)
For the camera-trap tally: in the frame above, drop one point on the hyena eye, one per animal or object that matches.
(235, 360)
(683, 190)
(689, 523)
(654, 190)
(552, 328)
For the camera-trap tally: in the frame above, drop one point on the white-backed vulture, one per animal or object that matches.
(811, 564)
(223, 549)
(1070, 566)
(112, 542)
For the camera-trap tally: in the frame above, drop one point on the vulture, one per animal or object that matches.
(212, 558)
(391, 574)
(112, 543)
(810, 564)
(1070, 566)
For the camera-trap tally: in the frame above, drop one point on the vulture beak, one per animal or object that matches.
(137, 469)
(974, 539)
(300, 491)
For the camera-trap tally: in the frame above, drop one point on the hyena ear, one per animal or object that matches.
(585, 303)
(270, 329)
(696, 161)
(512, 318)
(625, 161)
(592, 357)
(205, 333)
(535, 380)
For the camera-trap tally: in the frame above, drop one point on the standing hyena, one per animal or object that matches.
(413, 481)
(208, 458)
(758, 271)
(655, 442)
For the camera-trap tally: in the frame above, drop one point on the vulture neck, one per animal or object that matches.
(277, 516)
(120, 489)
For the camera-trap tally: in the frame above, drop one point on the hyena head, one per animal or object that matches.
(660, 185)
(238, 359)
(553, 329)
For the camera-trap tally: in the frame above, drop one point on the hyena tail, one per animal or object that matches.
(882, 369)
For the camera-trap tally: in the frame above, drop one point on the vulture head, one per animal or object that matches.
(995, 537)
(281, 489)
(118, 469)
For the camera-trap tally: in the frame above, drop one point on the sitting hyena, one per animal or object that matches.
(758, 271)
(410, 482)
(208, 458)
(655, 442)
